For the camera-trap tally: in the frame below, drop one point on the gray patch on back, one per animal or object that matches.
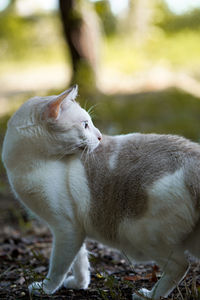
(121, 192)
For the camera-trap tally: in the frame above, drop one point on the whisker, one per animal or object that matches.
(85, 105)
(90, 111)
(82, 154)
(67, 151)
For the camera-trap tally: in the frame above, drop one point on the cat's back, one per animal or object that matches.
(145, 157)
(123, 170)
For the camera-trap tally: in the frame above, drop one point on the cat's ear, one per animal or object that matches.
(53, 109)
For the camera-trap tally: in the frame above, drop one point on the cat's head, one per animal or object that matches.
(57, 124)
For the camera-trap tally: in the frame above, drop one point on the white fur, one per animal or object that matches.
(170, 199)
(81, 273)
(77, 186)
(119, 141)
(113, 159)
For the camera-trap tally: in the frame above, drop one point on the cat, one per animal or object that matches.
(139, 193)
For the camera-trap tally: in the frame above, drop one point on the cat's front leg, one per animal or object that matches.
(66, 244)
(81, 274)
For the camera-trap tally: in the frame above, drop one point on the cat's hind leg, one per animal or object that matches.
(174, 269)
(192, 243)
(81, 274)
(67, 242)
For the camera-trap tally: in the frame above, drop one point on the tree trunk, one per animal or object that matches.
(140, 18)
(80, 34)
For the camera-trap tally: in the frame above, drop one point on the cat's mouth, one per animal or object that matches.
(82, 148)
(87, 148)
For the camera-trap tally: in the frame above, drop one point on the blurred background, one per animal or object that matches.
(137, 62)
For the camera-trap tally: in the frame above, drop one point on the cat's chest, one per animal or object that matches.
(77, 185)
(60, 186)
(66, 181)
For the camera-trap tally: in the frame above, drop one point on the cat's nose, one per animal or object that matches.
(98, 134)
(99, 137)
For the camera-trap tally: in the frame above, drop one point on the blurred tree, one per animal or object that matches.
(109, 21)
(140, 16)
(81, 33)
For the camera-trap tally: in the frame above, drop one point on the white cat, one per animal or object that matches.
(139, 193)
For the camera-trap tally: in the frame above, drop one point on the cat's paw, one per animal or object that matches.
(38, 288)
(143, 292)
(71, 283)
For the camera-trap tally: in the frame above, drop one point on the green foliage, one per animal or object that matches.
(180, 50)
(177, 51)
(174, 40)
(30, 38)
(109, 21)
(172, 23)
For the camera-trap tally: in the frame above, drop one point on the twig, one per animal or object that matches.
(179, 291)
(1, 275)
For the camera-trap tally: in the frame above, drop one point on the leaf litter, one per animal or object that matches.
(24, 258)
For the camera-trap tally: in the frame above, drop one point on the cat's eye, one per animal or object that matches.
(85, 123)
